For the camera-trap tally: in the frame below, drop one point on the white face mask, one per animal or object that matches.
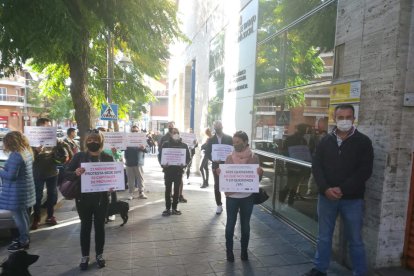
(176, 137)
(344, 125)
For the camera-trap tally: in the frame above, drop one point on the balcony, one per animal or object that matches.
(11, 100)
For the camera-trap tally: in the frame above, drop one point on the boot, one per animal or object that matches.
(35, 223)
(244, 256)
(230, 255)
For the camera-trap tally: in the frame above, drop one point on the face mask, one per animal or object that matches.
(93, 147)
(218, 131)
(176, 137)
(170, 130)
(344, 125)
(238, 148)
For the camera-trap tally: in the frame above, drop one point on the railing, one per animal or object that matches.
(12, 98)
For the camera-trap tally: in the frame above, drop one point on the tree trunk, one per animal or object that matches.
(78, 66)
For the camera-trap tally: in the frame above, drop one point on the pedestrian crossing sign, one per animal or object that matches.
(282, 118)
(109, 112)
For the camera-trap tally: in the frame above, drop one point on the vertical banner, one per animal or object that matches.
(240, 67)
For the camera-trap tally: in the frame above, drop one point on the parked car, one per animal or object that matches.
(6, 219)
(3, 132)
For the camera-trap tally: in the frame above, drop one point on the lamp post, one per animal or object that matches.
(124, 62)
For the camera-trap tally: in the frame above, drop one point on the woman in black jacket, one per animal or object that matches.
(91, 207)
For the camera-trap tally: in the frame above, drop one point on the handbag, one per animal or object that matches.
(70, 189)
(260, 197)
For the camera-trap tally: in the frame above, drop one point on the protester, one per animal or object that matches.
(239, 202)
(18, 190)
(218, 138)
(167, 136)
(204, 161)
(70, 140)
(173, 174)
(44, 172)
(192, 151)
(91, 207)
(134, 161)
(341, 165)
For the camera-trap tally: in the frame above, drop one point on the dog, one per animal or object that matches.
(17, 264)
(118, 207)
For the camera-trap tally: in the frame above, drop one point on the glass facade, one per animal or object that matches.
(293, 90)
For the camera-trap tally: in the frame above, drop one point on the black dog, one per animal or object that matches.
(118, 207)
(17, 264)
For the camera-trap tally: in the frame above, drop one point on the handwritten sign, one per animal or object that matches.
(189, 139)
(173, 157)
(135, 139)
(239, 178)
(101, 176)
(114, 140)
(41, 136)
(219, 152)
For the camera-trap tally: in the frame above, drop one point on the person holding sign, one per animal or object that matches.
(239, 202)
(173, 156)
(219, 138)
(92, 206)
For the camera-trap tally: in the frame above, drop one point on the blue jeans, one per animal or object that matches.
(233, 205)
(22, 220)
(51, 187)
(351, 212)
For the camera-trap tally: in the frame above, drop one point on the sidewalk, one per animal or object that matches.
(190, 244)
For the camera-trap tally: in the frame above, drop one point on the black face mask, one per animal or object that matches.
(170, 130)
(93, 147)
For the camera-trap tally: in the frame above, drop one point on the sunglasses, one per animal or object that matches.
(94, 130)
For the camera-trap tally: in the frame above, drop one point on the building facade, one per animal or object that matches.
(309, 57)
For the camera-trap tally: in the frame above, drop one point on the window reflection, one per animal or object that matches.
(294, 70)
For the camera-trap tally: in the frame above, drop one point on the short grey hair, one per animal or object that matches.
(217, 124)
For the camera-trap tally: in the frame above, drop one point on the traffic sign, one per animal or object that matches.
(109, 112)
(282, 118)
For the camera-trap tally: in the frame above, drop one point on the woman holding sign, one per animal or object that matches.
(91, 207)
(239, 202)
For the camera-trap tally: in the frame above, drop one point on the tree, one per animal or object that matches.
(63, 32)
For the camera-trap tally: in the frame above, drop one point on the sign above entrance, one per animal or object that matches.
(109, 112)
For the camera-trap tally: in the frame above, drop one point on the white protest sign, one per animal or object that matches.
(102, 176)
(114, 140)
(241, 178)
(173, 157)
(219, 152)
(135, 139)
(189, 139)
(41, 136)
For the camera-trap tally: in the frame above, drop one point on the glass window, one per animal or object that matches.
(298, 55)
(292, 105)
(3, 94)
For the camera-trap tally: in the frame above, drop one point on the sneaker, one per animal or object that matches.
(314, 272)
(166, 213)
(204, 186)
(130, 197)
(219, 210)
(182, 199)
(176, 212)
(51, 221)
(111, 218)
(17, 246)
(142, 196)
(100, 261)
(84, 263)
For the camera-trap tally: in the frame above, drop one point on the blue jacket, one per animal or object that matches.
(17, 190)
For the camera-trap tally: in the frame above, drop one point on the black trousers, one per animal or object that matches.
(169, 180)
(92, 208)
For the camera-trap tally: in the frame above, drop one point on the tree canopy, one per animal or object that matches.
(72, 34)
